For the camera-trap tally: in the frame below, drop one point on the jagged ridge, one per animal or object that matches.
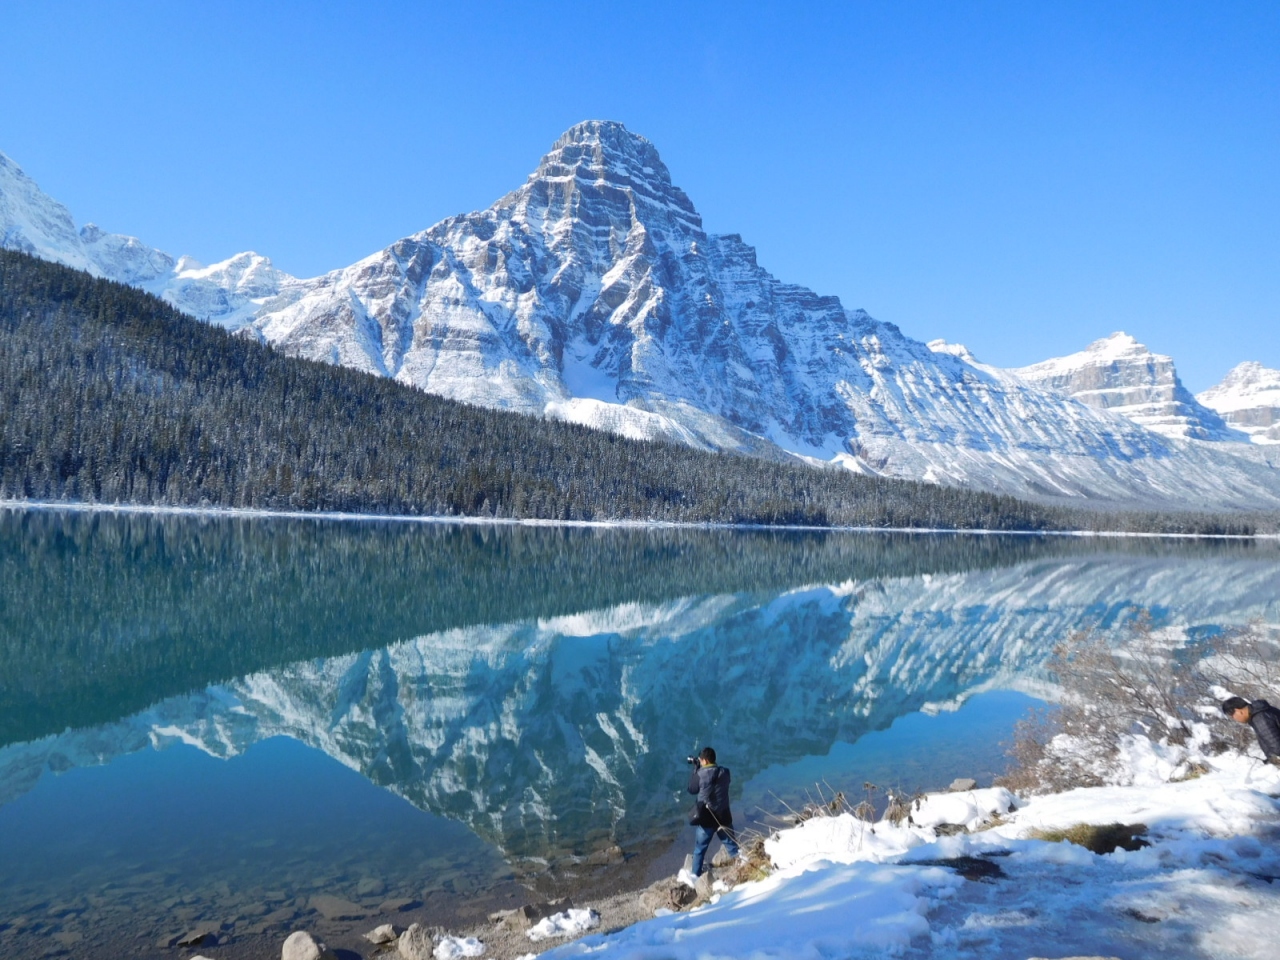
(593, 294)
(1119, 374)
(1249, 399)
(229, 293)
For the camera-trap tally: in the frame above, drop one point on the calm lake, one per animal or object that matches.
(226, 723)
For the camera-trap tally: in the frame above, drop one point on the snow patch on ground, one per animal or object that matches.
(1208, 884)
(452, 948)
(569, 923)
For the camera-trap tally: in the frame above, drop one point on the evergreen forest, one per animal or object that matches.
(109, 395)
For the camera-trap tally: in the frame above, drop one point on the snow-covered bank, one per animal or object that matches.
(1208, 884)
(253, 513)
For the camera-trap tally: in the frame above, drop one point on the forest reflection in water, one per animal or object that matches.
(537, 685)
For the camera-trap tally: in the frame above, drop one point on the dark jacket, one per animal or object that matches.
(711, 784)
(1265, 720)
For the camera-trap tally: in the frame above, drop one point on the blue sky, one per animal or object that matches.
(1019, 177)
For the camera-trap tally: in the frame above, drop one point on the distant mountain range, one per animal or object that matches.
(593, 294)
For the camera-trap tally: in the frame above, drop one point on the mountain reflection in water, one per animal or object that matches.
(543, 685)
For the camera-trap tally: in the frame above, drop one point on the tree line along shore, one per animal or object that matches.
(109, 395)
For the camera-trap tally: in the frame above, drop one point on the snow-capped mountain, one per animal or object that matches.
(1119, 374)
(592, 293)
(547, 735)
(1249, 400)
(229, 293)
(33, 222)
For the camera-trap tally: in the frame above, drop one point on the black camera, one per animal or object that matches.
(692, 761)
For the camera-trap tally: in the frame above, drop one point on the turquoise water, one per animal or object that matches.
(211, 721)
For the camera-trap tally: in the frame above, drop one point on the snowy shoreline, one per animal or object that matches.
(1206, 884)
(977, 873)
(252, 513)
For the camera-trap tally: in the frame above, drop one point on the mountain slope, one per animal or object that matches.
(592, 293)
(1119, 374)
(32, 222)
(1249, 400)
(108, 394)
(228, 293)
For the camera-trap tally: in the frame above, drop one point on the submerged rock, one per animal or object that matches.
(206, 936)
(335, 908)
(606, 857)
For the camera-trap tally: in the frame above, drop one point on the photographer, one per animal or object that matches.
(711, 815)
(1264, 719)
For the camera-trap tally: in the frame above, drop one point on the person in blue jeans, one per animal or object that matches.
(711, 814)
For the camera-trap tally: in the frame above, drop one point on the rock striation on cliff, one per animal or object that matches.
(593, 293)
(1249, 400)
(1119, 374)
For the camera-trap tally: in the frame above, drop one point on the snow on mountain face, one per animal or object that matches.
(1249, 400)
(1119, 374)
(229, 293)
(35, 223)
(592, 293)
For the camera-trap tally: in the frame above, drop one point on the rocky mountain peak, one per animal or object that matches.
(959, 350)
(1121, 375)
(608, 140)
(599, 170)
(1248, 375)
(604, 150)
(228, 293)
(1118, 344)
(1248, 398)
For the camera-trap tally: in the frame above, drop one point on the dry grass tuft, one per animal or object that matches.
(1099, 838)
(752, 864)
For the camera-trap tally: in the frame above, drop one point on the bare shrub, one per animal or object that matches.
(818, 804)
(1151, 683)
(1242, 662)
(1028, 771)
(898, 811)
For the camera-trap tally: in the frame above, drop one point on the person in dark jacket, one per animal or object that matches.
(1265, 720)
(711, 814)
